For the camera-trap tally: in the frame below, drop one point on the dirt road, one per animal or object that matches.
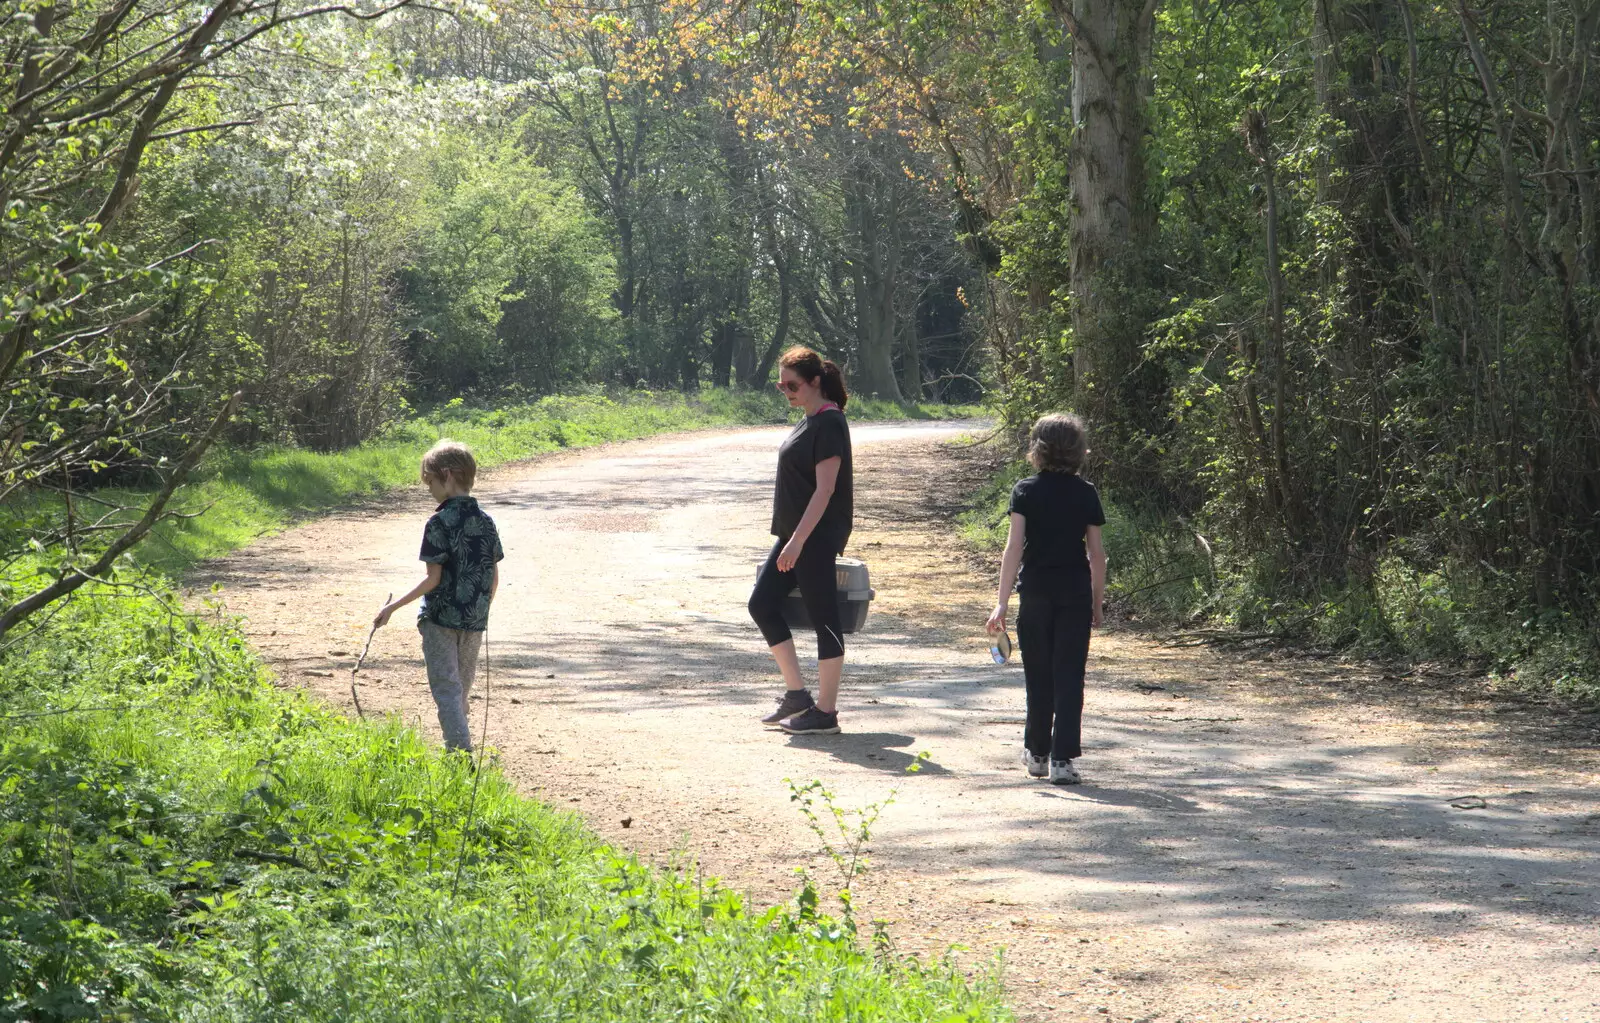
(1256, 839)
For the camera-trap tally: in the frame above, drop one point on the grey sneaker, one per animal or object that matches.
(1063, 773)
(792, 702)
(811, 722)
(1037, 766)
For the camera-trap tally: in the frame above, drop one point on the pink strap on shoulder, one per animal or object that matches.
(825, 407)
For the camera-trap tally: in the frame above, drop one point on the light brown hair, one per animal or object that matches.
(1059, 442)
(454, 457)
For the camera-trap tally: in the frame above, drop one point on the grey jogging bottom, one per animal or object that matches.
(452, 659)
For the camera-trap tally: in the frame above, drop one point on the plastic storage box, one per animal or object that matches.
(855, 597)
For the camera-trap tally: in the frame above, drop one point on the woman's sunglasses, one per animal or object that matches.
(791, 386)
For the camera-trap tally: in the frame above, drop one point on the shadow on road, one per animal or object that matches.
(1142, 799)
(876, 751)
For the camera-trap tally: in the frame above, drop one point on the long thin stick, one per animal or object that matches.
(477, 772)
(362, 660)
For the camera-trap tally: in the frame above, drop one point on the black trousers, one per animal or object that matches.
(1054, 635)
(819, 587)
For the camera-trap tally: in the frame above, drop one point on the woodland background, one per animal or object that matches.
(1321, 275)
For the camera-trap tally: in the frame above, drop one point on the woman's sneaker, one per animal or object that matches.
(811, 722)
(792, 702)
(1037, 766)
(1063, 773)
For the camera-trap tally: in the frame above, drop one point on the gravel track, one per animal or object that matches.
(1258, 839)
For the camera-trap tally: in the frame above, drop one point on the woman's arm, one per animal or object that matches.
(1010, 562)
(827, 481)
(435, 573)
(1097, 572)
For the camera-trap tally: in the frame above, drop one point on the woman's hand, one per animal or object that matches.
(790, 554)
(383, 617)
(1099, 614)
(997, 620)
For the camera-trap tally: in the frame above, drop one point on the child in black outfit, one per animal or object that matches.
(1055, 542)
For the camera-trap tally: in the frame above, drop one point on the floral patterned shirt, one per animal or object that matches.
(462, 539)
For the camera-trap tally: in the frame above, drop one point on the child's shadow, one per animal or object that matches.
(1139, 798)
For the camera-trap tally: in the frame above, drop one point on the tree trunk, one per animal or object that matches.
(1259, 140)
(875, 274)
(1324, 71)
(911, 359)
(722, 341)
(1112, 222)
(756, 375)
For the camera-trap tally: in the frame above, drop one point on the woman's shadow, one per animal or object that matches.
(878, 751)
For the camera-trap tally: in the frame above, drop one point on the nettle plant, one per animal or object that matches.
(844, 834)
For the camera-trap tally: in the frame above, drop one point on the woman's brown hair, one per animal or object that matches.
(1059, 443)
(810, 365)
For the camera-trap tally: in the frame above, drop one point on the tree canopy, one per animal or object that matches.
(1321, 275)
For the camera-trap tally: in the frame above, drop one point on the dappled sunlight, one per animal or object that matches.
(1222, 818)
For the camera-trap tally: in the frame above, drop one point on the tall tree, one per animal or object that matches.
(94, 87)
(1112, 222)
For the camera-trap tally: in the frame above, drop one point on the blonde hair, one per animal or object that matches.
(1058, 443)
(451, 456)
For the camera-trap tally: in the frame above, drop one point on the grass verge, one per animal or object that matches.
(180, 841)
(246, 493)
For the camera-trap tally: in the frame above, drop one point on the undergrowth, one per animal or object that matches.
(179, 840)
(1172, 574)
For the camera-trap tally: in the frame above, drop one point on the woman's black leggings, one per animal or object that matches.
(819, 588)
(1054, 636)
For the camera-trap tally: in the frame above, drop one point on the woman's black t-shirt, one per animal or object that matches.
(1058, 508)
(815, 439)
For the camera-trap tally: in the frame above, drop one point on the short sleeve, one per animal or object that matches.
(1019, 499)
(833, 437)
(435, 542)
(499, 553)
(1096, 514)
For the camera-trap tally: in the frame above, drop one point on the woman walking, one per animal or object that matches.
(1055, 541)
(812, 514)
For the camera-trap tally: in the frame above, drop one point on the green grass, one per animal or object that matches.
(207, 847)
(246, 493)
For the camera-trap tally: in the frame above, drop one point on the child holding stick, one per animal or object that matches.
(461, 548)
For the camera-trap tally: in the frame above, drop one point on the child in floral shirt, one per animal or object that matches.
(462, 550)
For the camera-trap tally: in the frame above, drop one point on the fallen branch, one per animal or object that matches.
(1285, 633)
(122, 709)
(362, 660)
